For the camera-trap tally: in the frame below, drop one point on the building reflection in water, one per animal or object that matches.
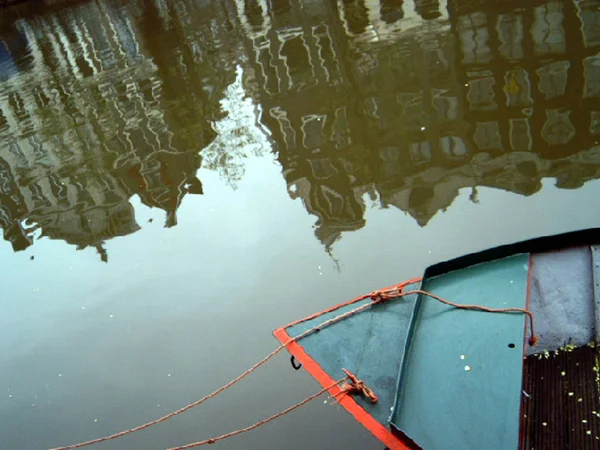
(107, 108)
(411, 101)
(405, 101)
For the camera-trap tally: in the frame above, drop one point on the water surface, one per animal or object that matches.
(178, 178)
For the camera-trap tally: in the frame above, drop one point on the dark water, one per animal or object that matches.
(179, 178)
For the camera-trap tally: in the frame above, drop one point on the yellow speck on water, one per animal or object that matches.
(584, 421)
(563, 373)
(571, 394)
(512, 87)
(544, 424)
(588, 432)
(580, 399)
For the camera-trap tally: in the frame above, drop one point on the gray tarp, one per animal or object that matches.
(565, 298)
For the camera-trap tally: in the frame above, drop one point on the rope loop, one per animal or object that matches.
(382, 295)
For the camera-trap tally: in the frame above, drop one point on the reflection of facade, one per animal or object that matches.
(356, 108)
(522, 81)
(97, 118)
(520, 95)
(407, 101)
(294, 68)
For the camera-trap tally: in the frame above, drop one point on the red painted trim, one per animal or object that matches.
(314, 369)
(529, 278)
(526, 327)
(525, 344)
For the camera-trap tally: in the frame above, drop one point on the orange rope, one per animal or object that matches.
(378, 296)
(222, 388)
(532, 339)
(181, 410)
(262, 422)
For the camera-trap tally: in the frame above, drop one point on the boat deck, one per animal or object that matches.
(449, 377)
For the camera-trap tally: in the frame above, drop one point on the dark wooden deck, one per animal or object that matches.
(561, 401)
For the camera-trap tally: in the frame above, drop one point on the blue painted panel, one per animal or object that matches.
(461, 384)
(368, 344)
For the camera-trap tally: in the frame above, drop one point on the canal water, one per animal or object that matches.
(178, 178)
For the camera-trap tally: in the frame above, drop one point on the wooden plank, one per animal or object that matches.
(561, 402)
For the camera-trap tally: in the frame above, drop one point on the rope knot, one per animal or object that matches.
(397, 290)
(356, 386)
(382, 295)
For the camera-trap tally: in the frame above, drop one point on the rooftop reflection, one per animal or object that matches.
(406, 102)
